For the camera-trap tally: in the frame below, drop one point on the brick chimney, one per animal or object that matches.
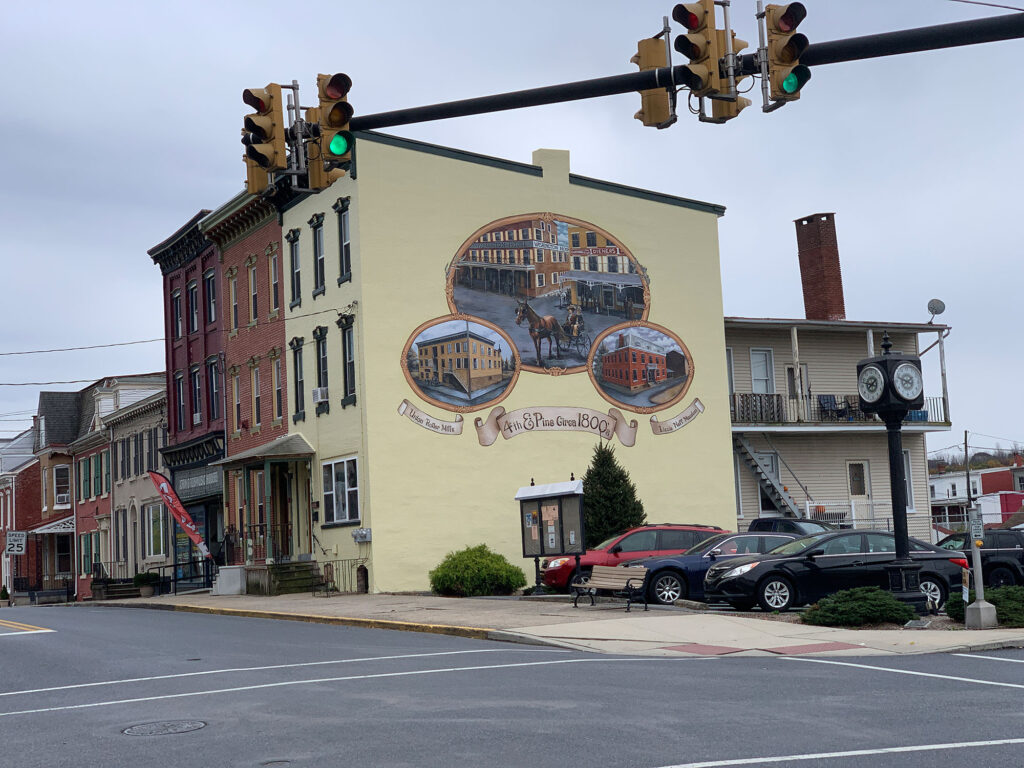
(819, 267)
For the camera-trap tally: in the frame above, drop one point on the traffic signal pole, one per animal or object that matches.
(1007, 27)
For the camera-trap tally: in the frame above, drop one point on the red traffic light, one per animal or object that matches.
(690, 15)
(338, 86)
(255, 98)
(791, 17)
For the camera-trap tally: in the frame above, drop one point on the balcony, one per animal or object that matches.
(823, 410)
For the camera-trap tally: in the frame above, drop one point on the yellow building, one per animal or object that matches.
(401, 476)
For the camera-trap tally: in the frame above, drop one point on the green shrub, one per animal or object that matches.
(4, 594)
(476, 571)
(857, 607)
(146, 579)
(1009, 603)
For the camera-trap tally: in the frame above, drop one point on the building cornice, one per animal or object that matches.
(236, 218)
(182, 247)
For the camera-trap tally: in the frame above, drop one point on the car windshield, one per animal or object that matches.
(808, 527)
(707, 544)
(607, 542)
(798, 546)
(956, 541)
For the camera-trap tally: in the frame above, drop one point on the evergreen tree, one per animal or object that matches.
(610, 502)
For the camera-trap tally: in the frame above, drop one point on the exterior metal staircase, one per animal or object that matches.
(772, 487)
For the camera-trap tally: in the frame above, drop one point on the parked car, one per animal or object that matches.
(807, 569)
(681, 577)
(799, 526)
(1002, 556)
(643, 541)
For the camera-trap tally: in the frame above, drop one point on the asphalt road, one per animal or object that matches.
(270, 693)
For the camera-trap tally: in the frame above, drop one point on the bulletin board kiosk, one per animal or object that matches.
(551, 519)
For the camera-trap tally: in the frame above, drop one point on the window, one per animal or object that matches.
(192, 295)
(349, 356)
(540, 280)
(320, 334)
(257, 417)
(640, 541)
(179, 401)
(591, 239)
(176, 314)
(237, 396)
(210, 289)
(931, 491)
(674, 539)
(105, 458)
(62, 484)
(212, 390)
(294, 266)
(155, 521)
(576, 263)
(613, 264)
(341, 491)
(195, 387)
(1020, 482)
(85, 554)
(592, 263)
(138, 459)
(253, 291)
(261, 491)
(275, 298)
(344, 240)
(300, 404)
(317, 223)
(278, 391)
(762, 371)
(233, 291)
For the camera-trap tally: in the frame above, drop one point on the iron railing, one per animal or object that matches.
(269, 541)
(118, 570)
(343, 576)
(193, 574)
(752, 408)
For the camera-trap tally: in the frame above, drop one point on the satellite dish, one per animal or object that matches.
(936, 307)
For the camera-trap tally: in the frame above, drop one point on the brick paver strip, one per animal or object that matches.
(813, 648)
(703, 650)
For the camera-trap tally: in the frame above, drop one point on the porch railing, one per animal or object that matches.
(848, 513)
(753, 408)
(266, 540)
(118, 570)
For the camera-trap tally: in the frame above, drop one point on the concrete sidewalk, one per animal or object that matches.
(603, 628)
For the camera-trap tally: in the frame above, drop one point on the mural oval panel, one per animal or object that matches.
(641, 366)
(460, 363)
(552, 283)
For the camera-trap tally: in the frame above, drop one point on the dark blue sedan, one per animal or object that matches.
(681, 577)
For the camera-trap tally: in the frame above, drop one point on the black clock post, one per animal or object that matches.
(891, 385)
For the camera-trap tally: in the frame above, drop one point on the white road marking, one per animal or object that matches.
(848, 753)
(990, 658)
(329, 680)
(905, 672)
(275, 666)
(26, 632)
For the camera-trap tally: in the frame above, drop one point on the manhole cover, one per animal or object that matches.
(160, 729)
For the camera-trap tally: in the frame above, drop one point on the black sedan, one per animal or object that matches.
(805, 570)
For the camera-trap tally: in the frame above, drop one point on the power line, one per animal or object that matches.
(73, 349)
(990, 5)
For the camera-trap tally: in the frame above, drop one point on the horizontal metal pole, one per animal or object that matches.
(1008, 27)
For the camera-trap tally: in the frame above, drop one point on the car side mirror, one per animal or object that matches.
(615, 550)
(715, 553)
(814, 553)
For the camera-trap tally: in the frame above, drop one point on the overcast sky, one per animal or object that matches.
(121, 120)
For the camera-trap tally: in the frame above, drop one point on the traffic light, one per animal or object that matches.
(264, 132)
(335, 140)
(721, 110)
(654, 103)
(319, 176)
(785, 72)
(700, 46)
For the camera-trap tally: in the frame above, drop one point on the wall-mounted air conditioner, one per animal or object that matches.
(319, 395)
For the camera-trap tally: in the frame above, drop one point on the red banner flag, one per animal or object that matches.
(163, 485)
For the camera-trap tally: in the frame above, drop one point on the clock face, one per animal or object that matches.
(907, 381)
(870, 384)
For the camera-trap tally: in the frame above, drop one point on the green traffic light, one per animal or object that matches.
(341, 143)
(796, 79)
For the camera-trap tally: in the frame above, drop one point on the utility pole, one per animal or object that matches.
(980, 614)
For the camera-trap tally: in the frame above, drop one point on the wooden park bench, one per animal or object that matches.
(615, 579)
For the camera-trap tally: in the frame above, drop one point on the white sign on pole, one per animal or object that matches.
(977, 529)
(15, 543)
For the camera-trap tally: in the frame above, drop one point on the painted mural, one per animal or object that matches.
(460, 363)
(552, 283)
(641, 366)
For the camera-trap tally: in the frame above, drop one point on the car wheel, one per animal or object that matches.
(581, 575)
(933, 590)
(667, 587)
(742, 605)
(776, 593)
(1001, 576)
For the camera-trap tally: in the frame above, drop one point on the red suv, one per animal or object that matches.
(645, 541)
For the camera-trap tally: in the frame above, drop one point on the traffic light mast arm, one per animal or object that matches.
(1006, 27)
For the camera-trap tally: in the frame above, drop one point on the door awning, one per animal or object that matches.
(64, 525)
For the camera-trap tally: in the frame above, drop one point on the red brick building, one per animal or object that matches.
(194, 323)
(634, 364)
(248, 234)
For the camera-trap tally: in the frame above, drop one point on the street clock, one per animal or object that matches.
(891, 383)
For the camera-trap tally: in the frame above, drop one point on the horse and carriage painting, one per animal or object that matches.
(572, 332)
